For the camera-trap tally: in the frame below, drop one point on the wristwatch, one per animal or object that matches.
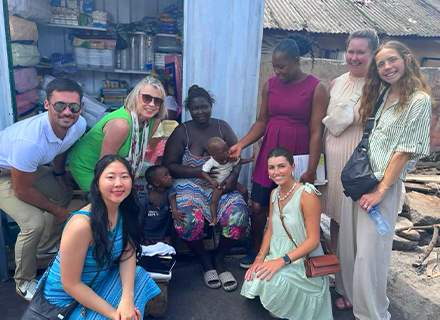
(286, 259)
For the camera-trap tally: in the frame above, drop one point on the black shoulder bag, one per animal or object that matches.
(357, 176)
(41, 309)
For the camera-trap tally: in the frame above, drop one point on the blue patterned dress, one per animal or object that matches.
(107, 285)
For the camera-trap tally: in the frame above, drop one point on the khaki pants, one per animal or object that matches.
(365, 256)
(38, 230)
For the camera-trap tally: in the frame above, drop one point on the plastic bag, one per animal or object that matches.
(25, 79)
(26, 101)
(25, 55)
(22, 29)
(35, 10)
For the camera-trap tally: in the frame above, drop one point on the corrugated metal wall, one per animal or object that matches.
(222, 50)
(6, 113)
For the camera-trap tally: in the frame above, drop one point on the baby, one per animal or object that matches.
(219, 151)
(155, 216)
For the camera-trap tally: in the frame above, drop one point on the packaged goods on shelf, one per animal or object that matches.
(94, 43)
(159, 60)
(24, 55)
(94, 58)
(63, 63)
(22, 29)
(25, 79)
(99, 19)
(35, 10)
(26, 101)
(64, 15)
(114, 84)
(114, 97)
(88, 6)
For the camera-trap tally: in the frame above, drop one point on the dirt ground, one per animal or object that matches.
(416, 296)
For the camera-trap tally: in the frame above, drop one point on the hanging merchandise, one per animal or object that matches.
(22, 30)
(35, 10)
(24, 55)
(25, 79)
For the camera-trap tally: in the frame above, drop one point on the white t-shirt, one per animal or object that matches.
(31, 143)
(223, 169)
(171, 103)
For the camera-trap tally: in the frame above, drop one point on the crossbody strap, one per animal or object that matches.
(370, 121)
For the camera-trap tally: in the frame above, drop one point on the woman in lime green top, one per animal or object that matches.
(124, 132)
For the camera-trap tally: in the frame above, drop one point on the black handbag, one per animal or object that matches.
(41, 309)
(357, 176)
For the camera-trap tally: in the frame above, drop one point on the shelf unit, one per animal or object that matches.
(68, 26)
(163, 35)
(120, 71)
(102, 70)
(113, 70)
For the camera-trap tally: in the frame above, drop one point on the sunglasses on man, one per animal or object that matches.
(60, 106)
(146, 98)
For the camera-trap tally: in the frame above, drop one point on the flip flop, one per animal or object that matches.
(228, 281)
(211, 279)
(347, 304)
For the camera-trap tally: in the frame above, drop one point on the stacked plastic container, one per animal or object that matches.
(25, 55)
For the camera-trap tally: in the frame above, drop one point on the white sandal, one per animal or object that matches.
(212, 279)
(228, 281)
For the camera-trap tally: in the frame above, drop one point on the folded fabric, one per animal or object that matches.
(25, 79)
(24, 55)
(23, 30)
(159, 248)
(26, 101)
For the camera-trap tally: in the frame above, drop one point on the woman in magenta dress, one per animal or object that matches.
(292, 108)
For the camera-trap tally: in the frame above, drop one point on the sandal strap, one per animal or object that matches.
(227, 277)
(211, 275)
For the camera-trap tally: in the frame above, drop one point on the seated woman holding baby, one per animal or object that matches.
(185, 154)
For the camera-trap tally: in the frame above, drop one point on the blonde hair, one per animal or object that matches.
(132, 98)
(411, 81)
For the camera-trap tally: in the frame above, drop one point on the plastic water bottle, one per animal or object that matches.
(381, 223)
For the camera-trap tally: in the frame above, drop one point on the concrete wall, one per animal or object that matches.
(420, 47)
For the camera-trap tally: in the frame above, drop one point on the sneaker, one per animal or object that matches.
(247, 261)
(27, 289)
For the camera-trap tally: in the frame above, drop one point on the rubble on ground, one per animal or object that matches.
(417, 227)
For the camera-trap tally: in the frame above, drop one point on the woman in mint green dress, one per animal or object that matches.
(278, 275)
(124, 132)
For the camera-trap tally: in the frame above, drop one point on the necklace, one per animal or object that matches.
(287, 194)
